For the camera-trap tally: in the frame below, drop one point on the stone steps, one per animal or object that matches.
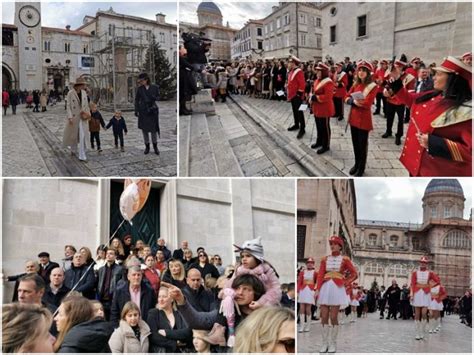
(184, 143)
(203, 102)
(201, 159)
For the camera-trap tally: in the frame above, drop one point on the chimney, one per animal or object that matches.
(68, 27)
(160, 18)
(274, 8)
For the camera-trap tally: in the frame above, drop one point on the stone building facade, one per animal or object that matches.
(384, 250)
(248, 41)
(210, 25)
(37, 57)
(326, 207)
(47, 214)
(293, 28)
(374, 30)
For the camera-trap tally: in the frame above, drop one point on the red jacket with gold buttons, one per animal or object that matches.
(302, 282)
(296, 83)
(340, 81)
(380, 76)
(415, 286)
(409, 82)
(361, 116)
(449, 150)
(324, 92)
(442, 294)
(346, 275)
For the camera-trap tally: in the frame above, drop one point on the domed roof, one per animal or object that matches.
(444, 185)
(209, 6)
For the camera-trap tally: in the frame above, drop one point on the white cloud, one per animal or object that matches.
(398, 199)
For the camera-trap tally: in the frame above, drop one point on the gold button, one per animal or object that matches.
(416, 113)
(403, 154)
(424, 105)
(419, 152)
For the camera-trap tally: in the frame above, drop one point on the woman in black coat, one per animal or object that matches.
(187, 83)
(168, 329)
(204, 267)
(146, 109)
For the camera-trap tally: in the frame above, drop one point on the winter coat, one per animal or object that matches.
(118, 125)
(5, 99)
(115, 277)
(55, 299)
(96, 122)
(157, 320)
(202, 300)
(14, 99)
(43, 99)
(187, 83)
(222, 82)
(265, 273)
(86, 286)
(74, 108)
(123, 340)
(122, 296)
(146, 108)
(88, 337)
(207, 269)
(45, 273)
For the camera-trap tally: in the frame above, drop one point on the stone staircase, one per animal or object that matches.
(203, 102)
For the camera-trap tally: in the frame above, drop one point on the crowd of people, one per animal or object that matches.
(33, 99)
(138, 298)
(332, 290)
(418, 93)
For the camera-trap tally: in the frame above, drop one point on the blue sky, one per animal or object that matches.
(398, 199)
(60, 14)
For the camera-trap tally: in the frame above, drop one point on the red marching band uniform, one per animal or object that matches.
(302, 282)
(340, 81)
(425, 286)
(344, 277)
(295, 91)
(449, 132)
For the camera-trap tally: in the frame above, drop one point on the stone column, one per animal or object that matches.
(385, 274)
(241, 211)
(168, 214)
(121, 83)
(103, 211)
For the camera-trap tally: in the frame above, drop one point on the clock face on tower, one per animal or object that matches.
(29, 16)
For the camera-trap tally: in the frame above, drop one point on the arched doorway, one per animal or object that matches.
(8, 78)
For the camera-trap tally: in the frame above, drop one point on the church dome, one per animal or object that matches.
(209, 6)
(444, 185)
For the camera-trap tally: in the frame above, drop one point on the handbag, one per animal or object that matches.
(85, 116)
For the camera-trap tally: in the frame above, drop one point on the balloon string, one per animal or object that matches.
(92, 264)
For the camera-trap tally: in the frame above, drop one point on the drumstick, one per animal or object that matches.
(416, 125)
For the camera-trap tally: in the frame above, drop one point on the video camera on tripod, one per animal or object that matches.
(197, 47)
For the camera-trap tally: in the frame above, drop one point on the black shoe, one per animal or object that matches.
(398, 140)
(340, 118)
(381, 317)
(155, 148)
(316, 145)
(377, 112)
(386, 135)
(359, 173)
(147, 148)
(387, 318)
(300, 134)
(293, 128)
(406, 121)
(322, 150)
(353, 171)
(92, 146)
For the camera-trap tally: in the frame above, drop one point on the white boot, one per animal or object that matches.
(333, 339)
(325, 335)
(417, 330)
(301, 326)
(307, 325)
(354, 317)
(341, 317)
(424, 323)
(431, 326)
(438, 325)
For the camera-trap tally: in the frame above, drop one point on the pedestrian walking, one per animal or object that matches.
(5, 101)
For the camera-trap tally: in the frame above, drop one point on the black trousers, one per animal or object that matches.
(392, 309)
(407, 115)
(95, 137)
(298, 115)
(382, 304)
(360, 143)
(339, 106)
(118, 136)
(390, 112)
(14, 109)
(380, 98)
(323, 129)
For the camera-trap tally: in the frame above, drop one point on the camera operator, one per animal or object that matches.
(187, 83)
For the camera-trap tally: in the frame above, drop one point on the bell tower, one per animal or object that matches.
(28, 22)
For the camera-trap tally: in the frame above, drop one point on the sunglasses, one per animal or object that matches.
(289, 345)
(217, 258)
(201, 255)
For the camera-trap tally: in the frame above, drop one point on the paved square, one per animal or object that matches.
(374, 335)
(32, 146)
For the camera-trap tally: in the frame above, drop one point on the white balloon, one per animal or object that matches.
(129, 201)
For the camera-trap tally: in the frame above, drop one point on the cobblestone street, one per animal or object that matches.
(376, 335)
(382, 157)
(32, 146)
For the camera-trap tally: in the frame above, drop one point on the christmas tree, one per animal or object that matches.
(374, 285)
(164, 74)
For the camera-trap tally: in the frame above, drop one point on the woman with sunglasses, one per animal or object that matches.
(267, 330)
(336, 272)
(204, 266)
(306, 284)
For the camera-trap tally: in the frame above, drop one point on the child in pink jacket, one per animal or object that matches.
(252, 262)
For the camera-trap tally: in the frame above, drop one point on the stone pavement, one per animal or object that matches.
(32, 146)
(382, 157)
(376, 335)
(230, 143)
